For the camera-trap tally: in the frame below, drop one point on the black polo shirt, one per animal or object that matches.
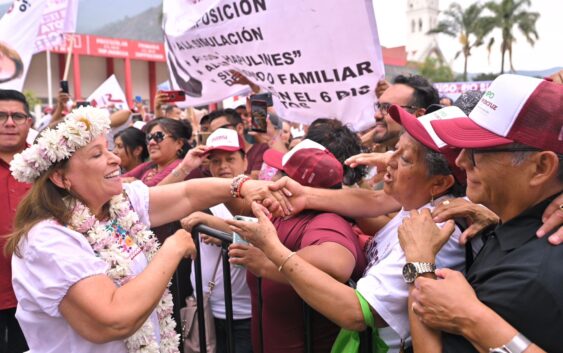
(520, 277)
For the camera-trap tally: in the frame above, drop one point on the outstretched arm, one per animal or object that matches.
(354, 203)
(172, 202)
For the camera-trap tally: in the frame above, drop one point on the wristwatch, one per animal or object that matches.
(412, 270)
(517, 344)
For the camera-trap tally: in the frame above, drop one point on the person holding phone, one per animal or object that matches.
(227, 159)
(164, 104)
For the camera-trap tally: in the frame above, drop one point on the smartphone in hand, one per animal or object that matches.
(64, 86)
(258, 115)
(267, 97)
(174, 96)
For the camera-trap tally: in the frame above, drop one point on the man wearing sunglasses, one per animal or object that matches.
(413, 93)
(512, 295)
(15, 123)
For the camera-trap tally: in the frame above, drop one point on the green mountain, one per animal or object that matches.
(144, 26)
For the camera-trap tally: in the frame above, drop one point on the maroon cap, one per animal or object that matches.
(421, 130)
(516, 108)
(308, 163)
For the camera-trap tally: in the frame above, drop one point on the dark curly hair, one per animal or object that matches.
(341, 142)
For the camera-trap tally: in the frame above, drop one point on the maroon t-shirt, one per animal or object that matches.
(12, 192)
(255, 157)
(282, 309)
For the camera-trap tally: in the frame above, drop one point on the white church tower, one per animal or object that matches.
(422, 16)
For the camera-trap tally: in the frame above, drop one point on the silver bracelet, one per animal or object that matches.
(517, 344)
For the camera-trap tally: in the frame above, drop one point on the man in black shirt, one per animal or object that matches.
(513, 155)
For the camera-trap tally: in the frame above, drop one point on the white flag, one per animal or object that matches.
(109, 93)
(59, 18)
(18, 29)
(319, 58)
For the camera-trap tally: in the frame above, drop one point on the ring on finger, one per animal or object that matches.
(445, 203)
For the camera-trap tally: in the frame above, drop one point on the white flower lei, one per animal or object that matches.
(78, 129)
(108, 249)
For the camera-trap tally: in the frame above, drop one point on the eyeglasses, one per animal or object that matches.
(158, 137)
(384, 107)
(472, 152)
(18, 118)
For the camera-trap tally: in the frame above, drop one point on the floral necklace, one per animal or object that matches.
(117, 242)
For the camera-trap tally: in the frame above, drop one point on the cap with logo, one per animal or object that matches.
(515, 108)
(224, 140)
(308, 163)
(421, 130)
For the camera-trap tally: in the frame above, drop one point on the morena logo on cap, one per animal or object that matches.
(219, 138)
(489, 94)
(488, 103)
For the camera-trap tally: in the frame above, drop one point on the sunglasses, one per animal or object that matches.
(472, 152)
(158, 137)
(384, 107)
(18, 118)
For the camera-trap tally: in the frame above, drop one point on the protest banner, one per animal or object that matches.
(454, 89)
(319, 58)
(108, 94)
(58, 18)
(18, 30)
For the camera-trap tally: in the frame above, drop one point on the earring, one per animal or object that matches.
(432, 200)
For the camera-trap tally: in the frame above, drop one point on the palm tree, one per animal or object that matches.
(466, 24)
(506, 15)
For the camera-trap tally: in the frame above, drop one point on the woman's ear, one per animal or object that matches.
(441, 184)
(58, 178)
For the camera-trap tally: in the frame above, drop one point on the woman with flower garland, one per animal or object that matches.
(88, 273)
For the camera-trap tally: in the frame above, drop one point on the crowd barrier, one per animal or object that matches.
(226, 240)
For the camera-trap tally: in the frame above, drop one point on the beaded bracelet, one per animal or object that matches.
(286, 260)
(236, 185)
(240, 187)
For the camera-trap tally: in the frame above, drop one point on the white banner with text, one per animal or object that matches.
(319, 58)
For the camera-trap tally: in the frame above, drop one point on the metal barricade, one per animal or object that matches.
(226, 240)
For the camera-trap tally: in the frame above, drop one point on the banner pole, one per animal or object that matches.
(49, 80)
(68, 57)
